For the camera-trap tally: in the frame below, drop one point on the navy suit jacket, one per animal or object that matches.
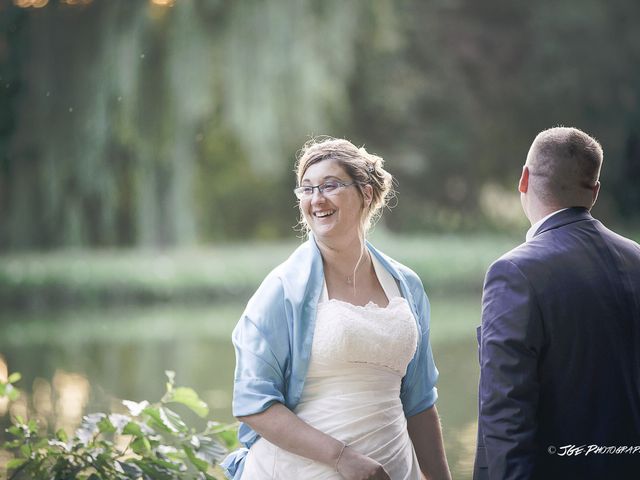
(560, 355)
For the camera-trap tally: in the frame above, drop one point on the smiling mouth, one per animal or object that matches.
(324, 213)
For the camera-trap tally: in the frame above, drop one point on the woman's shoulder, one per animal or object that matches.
(295, 269)
(417, 296)
(413, 280)
(282, 281)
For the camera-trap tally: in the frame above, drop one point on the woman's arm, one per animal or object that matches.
(426, 435)
(283, 428)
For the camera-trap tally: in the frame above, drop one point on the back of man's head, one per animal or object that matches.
(564, 167)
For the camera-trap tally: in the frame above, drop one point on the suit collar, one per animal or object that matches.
(570, 215)
(534, 228)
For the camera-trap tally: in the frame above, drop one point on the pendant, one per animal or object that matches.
(349, 281)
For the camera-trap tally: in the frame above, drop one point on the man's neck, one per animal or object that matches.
(542, 212)
(535, 226)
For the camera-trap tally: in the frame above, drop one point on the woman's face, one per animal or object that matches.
(337, 216)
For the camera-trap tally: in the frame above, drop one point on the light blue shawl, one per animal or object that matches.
(273, 342)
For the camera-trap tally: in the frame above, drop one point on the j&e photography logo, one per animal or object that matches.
(575, 450)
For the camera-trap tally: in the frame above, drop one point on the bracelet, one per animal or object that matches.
(344, 445)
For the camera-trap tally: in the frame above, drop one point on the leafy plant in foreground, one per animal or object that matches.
(149, 442)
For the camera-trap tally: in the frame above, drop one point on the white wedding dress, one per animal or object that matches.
(352, 390)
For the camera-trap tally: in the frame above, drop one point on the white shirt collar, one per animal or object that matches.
(534, 228)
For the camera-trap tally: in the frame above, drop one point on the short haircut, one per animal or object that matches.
(564, 166)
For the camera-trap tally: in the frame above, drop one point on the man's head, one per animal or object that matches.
(562, 170)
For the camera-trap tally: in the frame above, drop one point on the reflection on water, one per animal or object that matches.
(457, 402)
(79, 362)
(71, 393)
(132, 371)
(56, 405)
(466, 438)
(43, 401)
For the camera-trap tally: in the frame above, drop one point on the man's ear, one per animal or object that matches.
(523, 185)
(594, 193)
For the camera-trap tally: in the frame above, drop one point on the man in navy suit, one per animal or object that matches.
(560, 338)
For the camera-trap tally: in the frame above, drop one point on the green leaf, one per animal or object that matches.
(105, 426)
(199, 464)
(171, 376)
(103, 461)
(135, 408)
(169, 417)
(25, 450)
(89, 428)
(16, 463)
(189, 398)
(154, 419)
(15, 431)
(33, 426)
(168, 464)
(14, 377)
(230, 438)
(57, 443)
(62, 435)
(166, 419)
(12, 444)
(131, 470)
(132, 428)
(141, 446)
(208, 449)
(119, 421)
(156, 472)
(9, 391)
(41, 442)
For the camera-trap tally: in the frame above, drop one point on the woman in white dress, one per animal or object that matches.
(334, 373)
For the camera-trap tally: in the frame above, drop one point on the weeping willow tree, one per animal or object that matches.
(125, 123)
(143, 125)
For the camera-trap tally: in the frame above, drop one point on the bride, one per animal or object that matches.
(335, 377)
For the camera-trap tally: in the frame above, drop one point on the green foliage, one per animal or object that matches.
(232, 198)
(230, 273)
(7, 389)
(185, 121)
(158, 443)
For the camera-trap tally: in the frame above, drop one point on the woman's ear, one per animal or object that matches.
(367, 194)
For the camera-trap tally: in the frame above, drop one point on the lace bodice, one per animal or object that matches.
(346, 333)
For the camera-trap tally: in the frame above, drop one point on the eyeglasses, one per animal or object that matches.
(327, 188)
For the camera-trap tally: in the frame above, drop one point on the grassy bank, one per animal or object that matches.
(230, 273)
(452, 318)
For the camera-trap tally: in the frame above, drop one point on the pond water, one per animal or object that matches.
(80, 361)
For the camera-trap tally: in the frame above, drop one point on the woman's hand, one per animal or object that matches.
(355, 466)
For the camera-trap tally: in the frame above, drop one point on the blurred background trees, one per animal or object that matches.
(174, 124)
(171, 123)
